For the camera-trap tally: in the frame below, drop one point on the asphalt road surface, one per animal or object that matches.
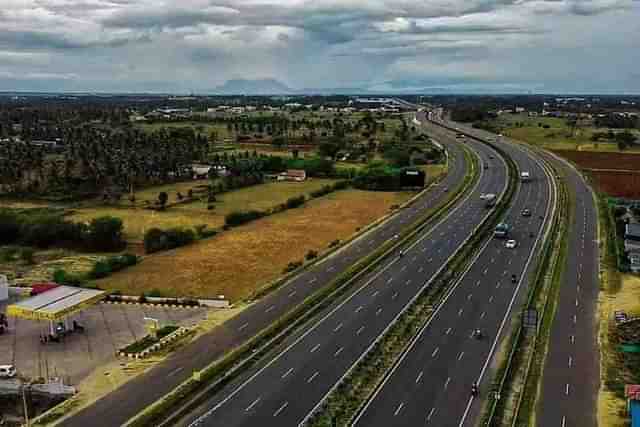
(571, 374)
(117, 407)
(286, 389)
(432, 382)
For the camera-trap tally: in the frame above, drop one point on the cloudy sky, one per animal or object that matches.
(196, 45)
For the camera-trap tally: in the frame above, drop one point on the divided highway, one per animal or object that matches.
(431, 384)
(289, 386)
(571, 375)
(131, 398)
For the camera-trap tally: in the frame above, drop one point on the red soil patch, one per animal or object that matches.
(616, 174)
(601, 160)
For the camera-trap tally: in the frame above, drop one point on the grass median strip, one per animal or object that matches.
(348, 397)
(225, 369)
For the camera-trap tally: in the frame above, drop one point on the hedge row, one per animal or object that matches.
(44, 228)
(156, 240)
(237, 218)
(111, 265)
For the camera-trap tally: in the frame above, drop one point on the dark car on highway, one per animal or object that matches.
(526, 212)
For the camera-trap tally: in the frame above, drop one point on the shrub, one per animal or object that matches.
(311, 255)
(326, 189)
(200, 230)
(105, 234)
(62, 277)
(100, 269)
(295, 202)
(341, 185)
(177, 237)
(334, 243)
(294, 265)
(26, 255)
(154, 240)
(236, 218)
(159, 240)
(155, 293)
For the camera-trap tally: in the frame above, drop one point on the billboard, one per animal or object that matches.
(413, 178)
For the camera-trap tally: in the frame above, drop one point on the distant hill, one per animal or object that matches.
(253, 87)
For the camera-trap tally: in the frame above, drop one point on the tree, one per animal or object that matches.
(154, 240)
(163, 197)
(328, 149)
(105, 234)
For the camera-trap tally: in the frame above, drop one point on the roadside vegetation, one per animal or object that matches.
(220, 372)
(60, 193)
(619, 293)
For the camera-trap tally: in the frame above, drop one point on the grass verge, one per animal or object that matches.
(227, 368)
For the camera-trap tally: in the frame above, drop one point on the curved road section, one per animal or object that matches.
(131, 398)
(571, 375)
(286, 389)
(431, 383)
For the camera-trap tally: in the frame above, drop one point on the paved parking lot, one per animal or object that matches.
(108, 327)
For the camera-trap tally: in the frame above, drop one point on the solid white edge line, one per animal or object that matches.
(436, 312)
(384, 268)
(552, 191)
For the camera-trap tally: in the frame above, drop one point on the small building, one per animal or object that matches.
(632, 237)
(4, 288)
(297, 175)
(200, 171)
(634, 261)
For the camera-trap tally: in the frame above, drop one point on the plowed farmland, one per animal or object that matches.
(617, 174)
(597, 160)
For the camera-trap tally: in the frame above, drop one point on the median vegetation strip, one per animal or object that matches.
(349, 396)
(222, 371)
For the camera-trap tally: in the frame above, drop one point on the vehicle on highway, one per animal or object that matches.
(474, 389)
(7, 371)
(526, 212)
(491, 156)
(525, 176)
(477, 333)
(460, 135)
(502, 230)
(514, 278)
(511, 244)
(486, 165)
(489, 200)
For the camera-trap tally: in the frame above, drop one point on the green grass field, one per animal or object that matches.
(557, 136)
(138, 220)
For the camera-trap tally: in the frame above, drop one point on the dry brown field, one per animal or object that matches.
(237, 262)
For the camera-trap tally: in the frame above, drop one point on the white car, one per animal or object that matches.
(511, 244)
(7, 371)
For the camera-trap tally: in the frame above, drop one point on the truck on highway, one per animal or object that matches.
(489, 199)
(502, 230)
(525, 176)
